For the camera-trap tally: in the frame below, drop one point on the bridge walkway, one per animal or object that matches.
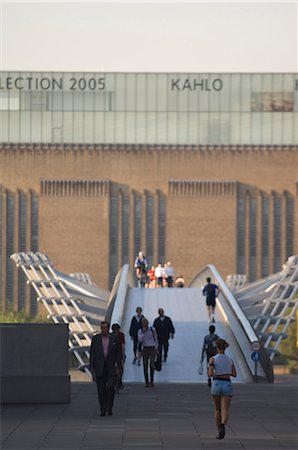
(187, 309)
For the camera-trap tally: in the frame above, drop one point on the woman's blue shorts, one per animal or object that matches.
(222, 387)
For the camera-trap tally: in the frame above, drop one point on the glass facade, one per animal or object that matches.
(149, 108)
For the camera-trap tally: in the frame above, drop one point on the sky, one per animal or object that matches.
(149, 36)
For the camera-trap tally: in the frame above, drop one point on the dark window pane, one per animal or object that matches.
(265, 237)
(113, 239)
(241, 236)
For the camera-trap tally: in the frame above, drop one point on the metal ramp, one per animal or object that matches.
(53, 291)
(187, 309)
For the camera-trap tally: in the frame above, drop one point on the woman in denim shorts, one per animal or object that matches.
(221, 368)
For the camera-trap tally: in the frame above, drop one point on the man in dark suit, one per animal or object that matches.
(135, 325)
(165, 330)
(104, 364)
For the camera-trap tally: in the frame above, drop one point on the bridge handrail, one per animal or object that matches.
(199, 280)
(123, 281)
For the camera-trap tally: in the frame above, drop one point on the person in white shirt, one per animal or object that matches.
(221, 368)
(159, 275)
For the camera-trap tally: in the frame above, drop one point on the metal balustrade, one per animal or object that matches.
(271, 304)
(260, 310)
(236, 281)
(63, 307)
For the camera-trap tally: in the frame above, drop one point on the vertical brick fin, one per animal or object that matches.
(202, 188)
(74, 188)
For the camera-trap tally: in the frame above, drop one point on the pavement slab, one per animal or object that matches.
(176, 416)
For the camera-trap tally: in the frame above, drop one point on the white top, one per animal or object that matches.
(158, 272)
(222, 365)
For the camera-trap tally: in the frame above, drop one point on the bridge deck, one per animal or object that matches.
(187, 309)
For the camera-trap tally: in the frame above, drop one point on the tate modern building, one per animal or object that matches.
(190, 168)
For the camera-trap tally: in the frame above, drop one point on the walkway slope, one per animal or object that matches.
(187, 309)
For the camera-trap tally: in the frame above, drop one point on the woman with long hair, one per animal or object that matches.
(221, 368)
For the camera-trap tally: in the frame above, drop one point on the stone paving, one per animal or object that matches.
(167, 416)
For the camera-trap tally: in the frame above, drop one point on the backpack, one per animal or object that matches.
(211, 291)
(210, 347)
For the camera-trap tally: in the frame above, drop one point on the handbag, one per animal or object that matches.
(201, 368)
(157, 363)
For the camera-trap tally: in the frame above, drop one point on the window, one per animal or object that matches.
(289, 226)
(113, 238)
(137, 226)
(9, 101)
(161, 228)
(149, 228)
(34, 223)
(10, 247)
(125, 230)
(265, 237)
(241, 236)
(252, 238)
(277, 235)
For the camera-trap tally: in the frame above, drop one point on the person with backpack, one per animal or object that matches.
(147, 337)
(211, 292)
(141, 266)
(209, 347)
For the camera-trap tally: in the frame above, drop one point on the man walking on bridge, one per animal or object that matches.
(105, 363)
(165, 330)
(135, 325)
(211, 292)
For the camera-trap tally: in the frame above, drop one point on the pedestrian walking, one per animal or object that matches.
(211, 292)
(141, 266)
(151, 276)
(209, 348)
(147, 337)
(169, 274)
(221, 368)
(159, 275)
(135, 325)
(165, 330)
(104, 364)
(121, 339)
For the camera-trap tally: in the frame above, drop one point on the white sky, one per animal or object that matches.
(149, 36)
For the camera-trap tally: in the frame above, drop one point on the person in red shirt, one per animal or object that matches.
(151, 275)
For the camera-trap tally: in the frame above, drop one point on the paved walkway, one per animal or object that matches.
(168, 416)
